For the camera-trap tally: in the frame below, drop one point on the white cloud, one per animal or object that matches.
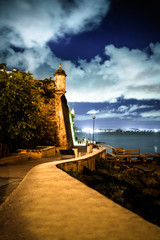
(101, 115)
(30, 24)
(122, 108)
(131, 73)
(111, 113)
(92, 112)
(38, 21)
(151, 114)
(131, 108)
(136, 107)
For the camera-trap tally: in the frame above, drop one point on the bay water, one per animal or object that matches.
(146, 142)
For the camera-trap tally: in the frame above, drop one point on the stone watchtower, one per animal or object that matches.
(60, 80)
(64, 135)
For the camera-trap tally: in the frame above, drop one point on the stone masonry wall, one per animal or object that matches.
(56, 116)
(67, 121)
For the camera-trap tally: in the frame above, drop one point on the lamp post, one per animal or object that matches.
(93, 126)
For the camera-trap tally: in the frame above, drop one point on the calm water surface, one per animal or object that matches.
(146, 142)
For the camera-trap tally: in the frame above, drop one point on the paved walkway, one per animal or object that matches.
(12, 174)
(51, 205)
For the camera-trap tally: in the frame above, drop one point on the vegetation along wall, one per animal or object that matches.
(32, 112)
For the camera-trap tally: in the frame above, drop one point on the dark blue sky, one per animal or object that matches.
(110, 50)
(133, 23)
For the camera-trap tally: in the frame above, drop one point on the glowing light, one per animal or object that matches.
(90, 130)
(87, 130)
(97, 130)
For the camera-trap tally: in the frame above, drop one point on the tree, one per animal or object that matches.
(19, 108)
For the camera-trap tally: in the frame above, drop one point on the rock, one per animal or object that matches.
(118, 196)
(151, 180)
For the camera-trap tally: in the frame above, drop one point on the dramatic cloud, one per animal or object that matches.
(129, 73)
(26, 26)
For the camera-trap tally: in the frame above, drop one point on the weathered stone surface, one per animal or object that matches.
(55, 111)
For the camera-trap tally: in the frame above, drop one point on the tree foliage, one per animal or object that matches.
(19, 108)
(47, 90)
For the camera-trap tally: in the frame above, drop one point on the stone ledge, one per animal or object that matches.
(25, 154)
(88, 160)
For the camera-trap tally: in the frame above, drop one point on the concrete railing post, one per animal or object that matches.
(75, 152)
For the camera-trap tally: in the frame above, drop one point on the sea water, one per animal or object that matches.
(146, 142)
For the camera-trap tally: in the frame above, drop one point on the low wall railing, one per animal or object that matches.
(87, 161)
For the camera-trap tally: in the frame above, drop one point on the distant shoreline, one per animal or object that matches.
(147, 142)
(90, 131)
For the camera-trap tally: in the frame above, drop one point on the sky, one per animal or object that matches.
(109, 49)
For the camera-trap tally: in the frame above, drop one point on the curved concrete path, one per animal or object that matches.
(51, 205)
(11, 174)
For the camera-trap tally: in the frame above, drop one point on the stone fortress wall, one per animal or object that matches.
(63, 131)
(54, 109)
(67, 121)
